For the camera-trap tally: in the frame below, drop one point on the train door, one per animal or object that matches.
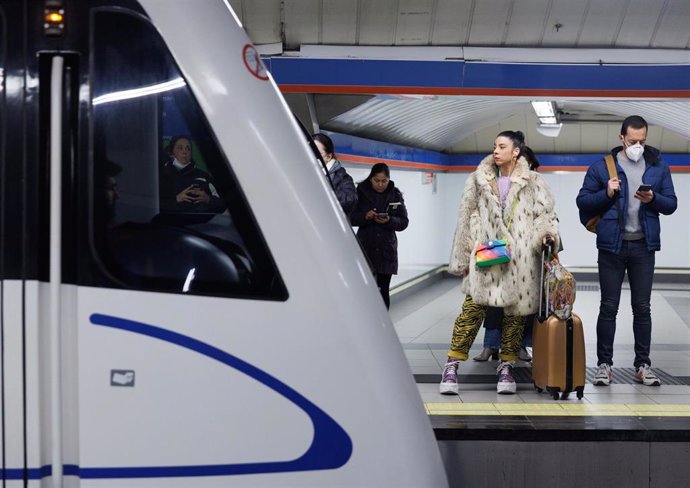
(24, 243)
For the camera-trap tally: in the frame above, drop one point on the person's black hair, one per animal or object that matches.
(326, 141)
(171, 145)
(379, 168)
(530, 157)
(516, 136)
(376, 169)
(518, 140)
(634, 121)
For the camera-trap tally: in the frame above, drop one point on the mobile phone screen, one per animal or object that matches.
(645, 188)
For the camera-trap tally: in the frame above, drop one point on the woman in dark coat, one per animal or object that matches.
(380, 213)
(342, 182)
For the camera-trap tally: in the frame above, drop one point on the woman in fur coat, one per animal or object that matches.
(502, 199)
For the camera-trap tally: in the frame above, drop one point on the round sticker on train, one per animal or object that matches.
(252, 61)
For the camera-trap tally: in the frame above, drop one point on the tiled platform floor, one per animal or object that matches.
(424, 322)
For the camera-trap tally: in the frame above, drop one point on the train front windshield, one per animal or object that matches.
(160, 223)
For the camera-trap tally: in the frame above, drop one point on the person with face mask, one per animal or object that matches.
(343, 185)
(628, 235)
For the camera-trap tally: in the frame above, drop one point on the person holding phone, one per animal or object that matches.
(184, 187)
(379, 214)
(628, 235)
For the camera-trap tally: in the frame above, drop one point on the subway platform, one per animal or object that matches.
(624, 434)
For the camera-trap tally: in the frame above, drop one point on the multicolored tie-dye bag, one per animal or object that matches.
(559, 286)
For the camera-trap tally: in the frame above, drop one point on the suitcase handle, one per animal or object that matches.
(541, 289)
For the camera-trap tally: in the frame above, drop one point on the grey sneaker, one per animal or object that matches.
(506, 383)
(449, 379)
(603, 376)
(646, 376)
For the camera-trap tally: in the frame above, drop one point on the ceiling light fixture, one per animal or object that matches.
(549, 122)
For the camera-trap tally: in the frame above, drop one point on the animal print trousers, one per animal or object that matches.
(467, 326)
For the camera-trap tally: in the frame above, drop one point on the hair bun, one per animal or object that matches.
(519, 135)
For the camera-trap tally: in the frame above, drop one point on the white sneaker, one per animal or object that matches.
(603, 376)
(506, 383)
(646, 376)
(449, 378)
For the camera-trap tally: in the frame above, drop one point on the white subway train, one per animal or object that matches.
(172, 324)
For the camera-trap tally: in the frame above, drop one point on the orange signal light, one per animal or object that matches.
(54, 17)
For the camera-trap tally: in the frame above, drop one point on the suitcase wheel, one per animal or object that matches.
(580, 393)
(539, 390)
(565, 395)
(554, 391)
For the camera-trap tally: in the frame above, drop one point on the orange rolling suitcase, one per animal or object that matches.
(558, 351)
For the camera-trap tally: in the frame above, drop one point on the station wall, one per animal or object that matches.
(433, 215)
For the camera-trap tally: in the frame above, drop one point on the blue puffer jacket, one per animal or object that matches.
(344, 187)
(593, 200)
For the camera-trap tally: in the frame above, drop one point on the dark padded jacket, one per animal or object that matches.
(593, 200)
(173, 181)
(344, 187)
(379, 240)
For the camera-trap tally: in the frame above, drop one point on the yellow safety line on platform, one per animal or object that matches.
(553, 409)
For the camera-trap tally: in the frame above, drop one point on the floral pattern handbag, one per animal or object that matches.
(559, 285)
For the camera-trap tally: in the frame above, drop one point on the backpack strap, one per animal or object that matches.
(611, 166)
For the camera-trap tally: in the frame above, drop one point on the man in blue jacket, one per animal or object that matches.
(628, 235)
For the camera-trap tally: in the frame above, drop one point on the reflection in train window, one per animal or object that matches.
(168, 213)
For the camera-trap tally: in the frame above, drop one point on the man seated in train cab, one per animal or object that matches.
(106, 192)
(184, 187)
(628, 204)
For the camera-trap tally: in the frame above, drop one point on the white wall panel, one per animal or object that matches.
(339, 22)
(429, 236)
(451, 23)
(302, 22)
(639, 23)
(414, 22)
(377, 22)
(527, 22)
(568, 15)
(489, 22)
(672, 30)
(602, 23)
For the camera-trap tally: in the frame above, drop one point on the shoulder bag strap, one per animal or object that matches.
(512, 211)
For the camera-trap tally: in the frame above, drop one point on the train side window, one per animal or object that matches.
(168, 213)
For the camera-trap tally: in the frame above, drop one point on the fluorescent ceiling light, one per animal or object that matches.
(544, 109)
(140, 92)
(548, 120)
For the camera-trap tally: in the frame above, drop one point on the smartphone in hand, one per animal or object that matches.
(392, 206)
(644, 187)
(383, 215)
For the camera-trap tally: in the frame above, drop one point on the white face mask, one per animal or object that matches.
(634, 153)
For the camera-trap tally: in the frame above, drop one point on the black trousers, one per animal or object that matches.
(384, 283)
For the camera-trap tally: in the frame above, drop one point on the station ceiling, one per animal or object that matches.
(458, 124)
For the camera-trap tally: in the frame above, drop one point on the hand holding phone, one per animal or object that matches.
(644, 187)
(383, 215)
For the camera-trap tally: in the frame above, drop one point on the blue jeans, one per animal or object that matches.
(639, 263)
(492, 337)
